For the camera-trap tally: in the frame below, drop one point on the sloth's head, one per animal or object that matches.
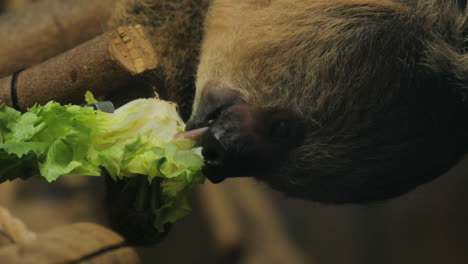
(334, 101)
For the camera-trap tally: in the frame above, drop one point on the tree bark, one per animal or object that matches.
(101, 65)
(83, 243)
(44, 29)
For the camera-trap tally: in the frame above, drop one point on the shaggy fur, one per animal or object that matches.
(381, 85)
(177, 29)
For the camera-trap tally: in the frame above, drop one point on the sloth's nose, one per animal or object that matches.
(214, 99)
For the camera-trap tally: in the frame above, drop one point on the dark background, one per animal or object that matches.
(429, 225)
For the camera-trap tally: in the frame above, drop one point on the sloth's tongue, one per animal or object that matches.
(194, 134)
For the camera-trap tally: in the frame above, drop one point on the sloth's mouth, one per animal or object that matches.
(209, 125)
(203, 129)
(213, 163)
(213, 168)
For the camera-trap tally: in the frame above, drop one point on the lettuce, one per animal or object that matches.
(138, 138)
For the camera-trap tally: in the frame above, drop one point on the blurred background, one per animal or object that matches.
(13, 4)
(242, 221)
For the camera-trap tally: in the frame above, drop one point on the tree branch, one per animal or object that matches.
(44, 29)
(76, 243)
(100, 65)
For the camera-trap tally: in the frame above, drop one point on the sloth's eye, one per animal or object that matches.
(280, 130)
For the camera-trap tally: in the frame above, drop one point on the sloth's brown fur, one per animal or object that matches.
(177, 29)
(380, 84)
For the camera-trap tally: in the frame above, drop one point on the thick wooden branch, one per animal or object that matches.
(83, 243)
(100, 65)
(13, 229)
(49, 27)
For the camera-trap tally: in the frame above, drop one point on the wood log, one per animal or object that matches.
(13, 229)
(100, 65)
(49, 27)
(82, 243)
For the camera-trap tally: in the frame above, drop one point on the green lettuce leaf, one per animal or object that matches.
(138, 138)
(89, 98)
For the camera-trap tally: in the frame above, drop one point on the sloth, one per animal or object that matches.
(336, 101)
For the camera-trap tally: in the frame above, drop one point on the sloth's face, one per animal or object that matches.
(324, 100)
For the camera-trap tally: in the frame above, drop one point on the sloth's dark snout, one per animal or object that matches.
(239, 139)
(215, 156)
(204, 124)
(228, 143)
